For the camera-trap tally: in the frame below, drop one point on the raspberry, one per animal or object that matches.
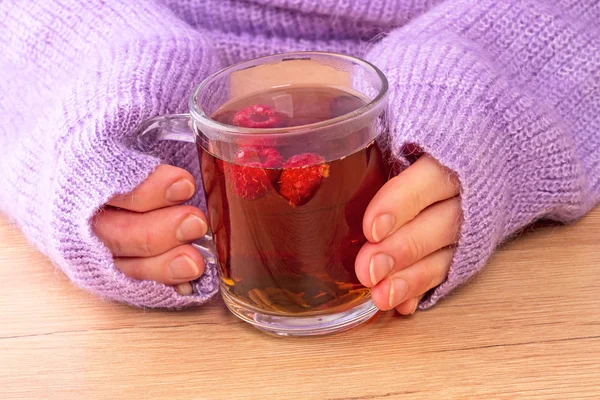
(250, 181)
(301, 177)
(252, 172)
(246, 155)
(259, 116)
(270, 157)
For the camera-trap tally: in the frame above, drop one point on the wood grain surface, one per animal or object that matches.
(526, 328)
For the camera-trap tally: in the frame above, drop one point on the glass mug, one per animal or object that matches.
(286, 202)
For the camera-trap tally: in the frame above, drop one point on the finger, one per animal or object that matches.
(409, 306)
(166, 186)
(403, 197)
(184, 289)
(413, 281)
(181, 264)
(130, 234)
(436, 227)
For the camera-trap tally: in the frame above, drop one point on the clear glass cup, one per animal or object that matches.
(287, 265)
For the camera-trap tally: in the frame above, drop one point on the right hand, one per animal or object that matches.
(148, 232)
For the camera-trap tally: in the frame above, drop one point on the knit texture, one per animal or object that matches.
(504, 93)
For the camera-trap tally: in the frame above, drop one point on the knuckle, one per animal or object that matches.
(137, 270)
(110, 228)
(412, 200)
(117, 246)
(433, 269)
(131, 267)
(412, 249)
(415, 199)
(149, 243)
(415, 202)
(427, 276)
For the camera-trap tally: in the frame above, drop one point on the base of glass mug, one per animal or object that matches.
(295, 325)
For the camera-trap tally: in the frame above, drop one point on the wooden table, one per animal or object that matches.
(528, 327)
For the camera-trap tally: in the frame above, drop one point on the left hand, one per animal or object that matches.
(411, 225)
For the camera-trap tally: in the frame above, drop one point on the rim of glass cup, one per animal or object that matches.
(199, 115)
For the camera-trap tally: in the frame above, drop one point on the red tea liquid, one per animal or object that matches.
(286, 246)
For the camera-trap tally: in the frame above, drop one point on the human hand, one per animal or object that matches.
(411, 225)
(148, 232)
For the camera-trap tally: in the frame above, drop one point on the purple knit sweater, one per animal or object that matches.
(505, 93)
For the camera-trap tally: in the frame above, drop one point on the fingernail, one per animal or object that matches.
(380, 265)
(191, 228)
(398, 290)
(181, 190)
(183, 268)
(382, 227)
(184, 289)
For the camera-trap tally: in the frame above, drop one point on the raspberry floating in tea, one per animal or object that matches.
(252, 174)
(301, 177)
(251, 181)
(259, 116)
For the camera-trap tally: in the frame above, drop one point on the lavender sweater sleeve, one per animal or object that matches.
(77, 78)
(507, 95)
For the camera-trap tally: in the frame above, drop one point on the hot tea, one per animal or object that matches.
(287, 225)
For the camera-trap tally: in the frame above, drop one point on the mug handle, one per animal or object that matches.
(175, 127)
